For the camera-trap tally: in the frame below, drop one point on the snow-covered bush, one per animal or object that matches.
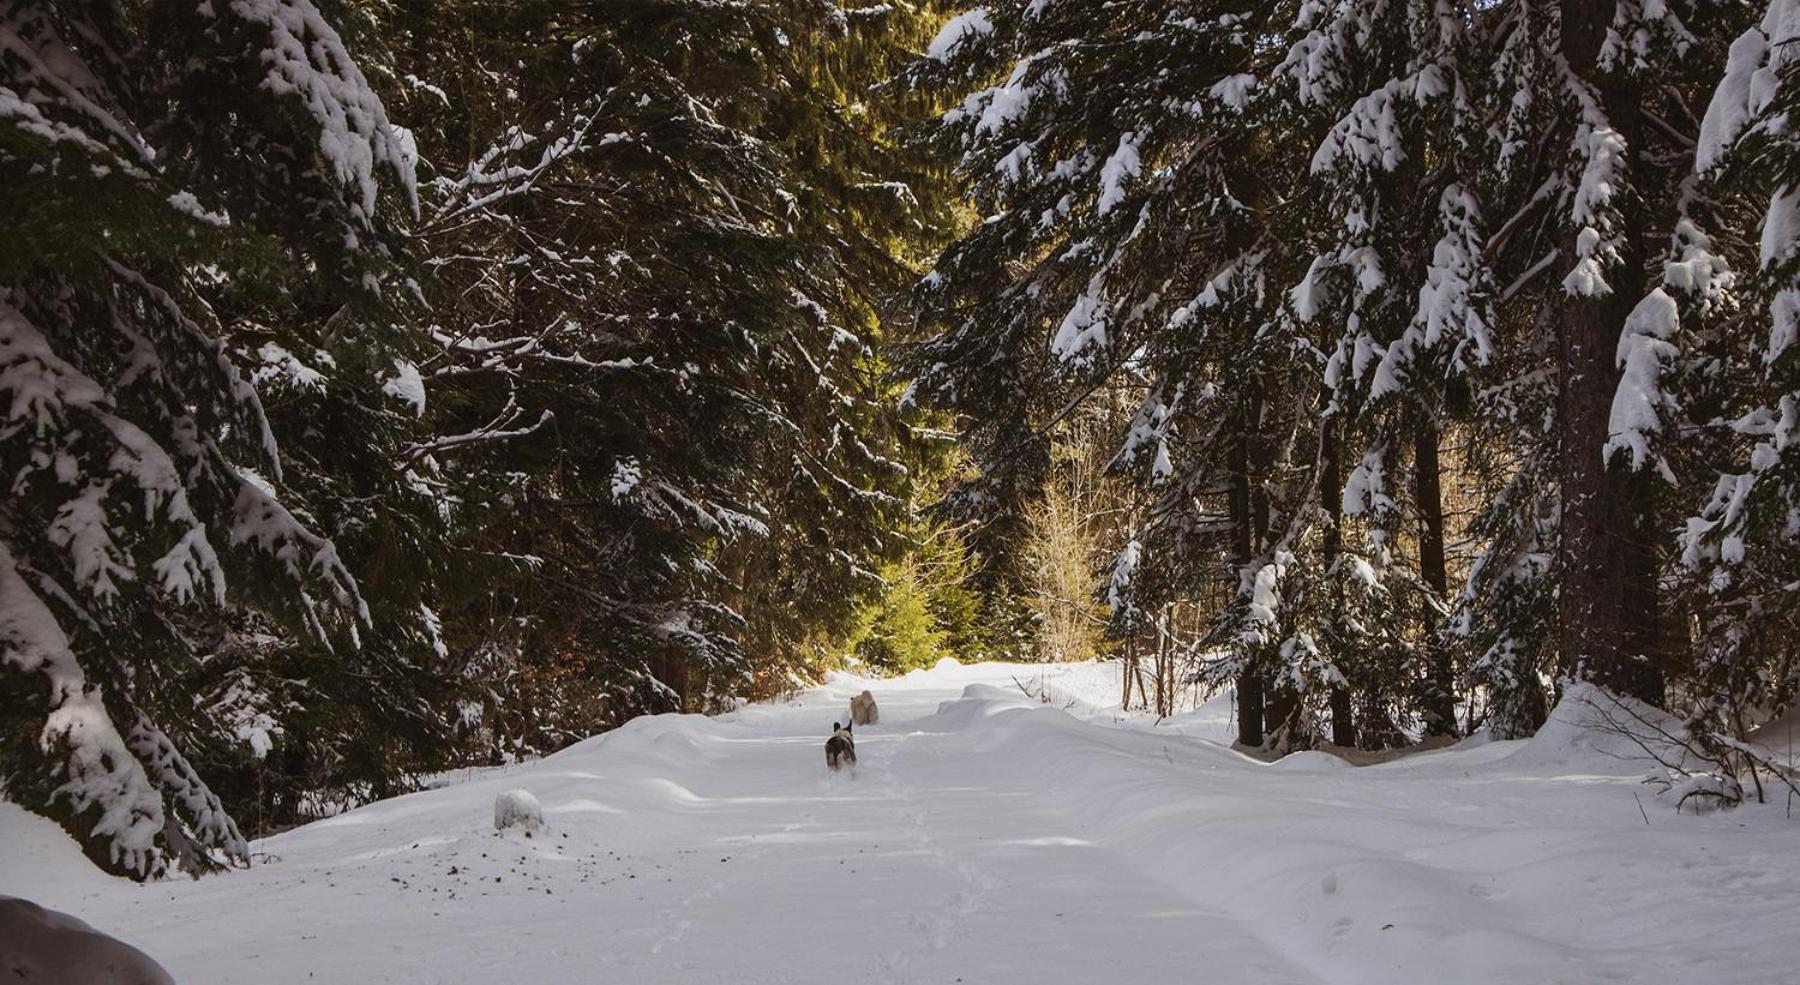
(518, 809)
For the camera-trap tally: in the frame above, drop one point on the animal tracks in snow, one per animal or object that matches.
(983, 839)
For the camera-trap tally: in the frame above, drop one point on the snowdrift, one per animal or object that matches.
(991, 836)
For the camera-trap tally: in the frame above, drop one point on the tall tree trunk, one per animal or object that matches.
(1331, 493)
(1281, 702)
(1156, 662)
(1127, 667)
(1262, 709)
(1440, 683)
(1243, 521)
(1609, 594)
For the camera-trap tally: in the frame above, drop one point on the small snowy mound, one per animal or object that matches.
(1310, 761)
(518, 808)
(1594, 727)
(44, 946)
(995, 718)
(1778, 737)
(977, 701)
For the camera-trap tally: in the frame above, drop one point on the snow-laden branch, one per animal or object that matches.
(499, 429)
(305, 59)
(96, 768)
(486, 184)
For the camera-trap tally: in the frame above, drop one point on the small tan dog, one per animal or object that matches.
(863, 711)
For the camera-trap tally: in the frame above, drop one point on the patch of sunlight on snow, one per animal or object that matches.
(582, 807)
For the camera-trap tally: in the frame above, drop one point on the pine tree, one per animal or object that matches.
(1574, 552)
(1739, 546)
(159, 161)
(658, 280)
(1133, 199)
(1385, 87)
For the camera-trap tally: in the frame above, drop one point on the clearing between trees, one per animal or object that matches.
(985, 837)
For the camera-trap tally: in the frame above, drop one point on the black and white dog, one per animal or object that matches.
(840, 749)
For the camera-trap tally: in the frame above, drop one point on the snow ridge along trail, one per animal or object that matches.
(985, 838)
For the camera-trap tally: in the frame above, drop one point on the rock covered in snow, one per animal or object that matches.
(518, 808)
(44, 946)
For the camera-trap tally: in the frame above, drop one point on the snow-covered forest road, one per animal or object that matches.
(984, 838)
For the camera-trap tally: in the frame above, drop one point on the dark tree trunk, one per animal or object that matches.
(1162, 659)
(1343, 720)
(1127, 668)
(1439, 703)
(1281, 702)
(1243, 522)
(1331, 493)
(1250, 709)
(1609, 594)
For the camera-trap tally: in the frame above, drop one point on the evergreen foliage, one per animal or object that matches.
(1740, 381)
(657, 281)
(184, 202)
(390, 386)
(1367, 258)
(345, 450)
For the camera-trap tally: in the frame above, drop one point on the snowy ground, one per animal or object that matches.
(985, 838)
